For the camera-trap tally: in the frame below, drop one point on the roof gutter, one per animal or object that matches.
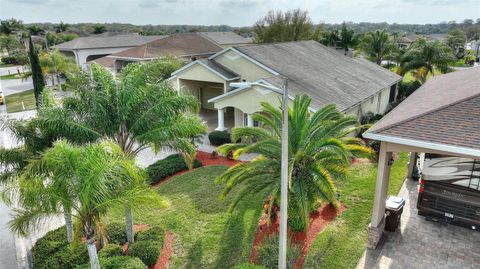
(423, 144)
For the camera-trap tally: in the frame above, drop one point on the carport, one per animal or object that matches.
(442, 117)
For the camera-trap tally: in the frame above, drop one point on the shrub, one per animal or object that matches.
(117, 233)
(405, 89)
(218, 138)
(110, 250)
(268, 253)
(121, 262)
(146, 251)
(155, 234)
(67, 257)
(249, 266)
(48, 245)
(167, 167)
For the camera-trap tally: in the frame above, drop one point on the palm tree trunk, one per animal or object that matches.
(91, 247)
(68, 223)
(129, 224)
(92, 254)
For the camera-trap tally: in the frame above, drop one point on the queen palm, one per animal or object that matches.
(91, 180)
(376, 45)
(424, 56)
(137, 111)
(319, 153)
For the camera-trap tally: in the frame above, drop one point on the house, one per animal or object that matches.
(356, 86)
(441, 117)
(85, 49)
(189, 46)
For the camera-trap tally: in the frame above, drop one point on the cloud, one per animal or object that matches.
(31, 2)
(157, 3)
(243, 4)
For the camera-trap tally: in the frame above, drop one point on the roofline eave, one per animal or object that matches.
(423, 144)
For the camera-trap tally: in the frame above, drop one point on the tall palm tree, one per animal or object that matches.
(376, 45)
(319, 152)
(424, 56)
(90, 180)
(136, 111)
(347, 38)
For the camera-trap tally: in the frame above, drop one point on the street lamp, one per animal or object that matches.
(282, 255)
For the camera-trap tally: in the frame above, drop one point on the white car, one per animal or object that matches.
(2, 98)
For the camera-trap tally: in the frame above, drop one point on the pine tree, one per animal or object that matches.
(37, 76)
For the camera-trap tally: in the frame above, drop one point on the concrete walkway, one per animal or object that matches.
(423, 244)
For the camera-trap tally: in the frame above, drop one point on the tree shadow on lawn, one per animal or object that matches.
(236, 241)
(195, 254)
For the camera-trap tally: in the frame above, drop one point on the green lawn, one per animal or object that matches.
(342, 243)
(14, 101)
(206, 236)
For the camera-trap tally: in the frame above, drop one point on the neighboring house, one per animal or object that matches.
(441, 117)
(226, 39)
(190, 46)
(355, 86)
(85, 49)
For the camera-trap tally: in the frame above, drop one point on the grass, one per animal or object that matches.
(206, 236)
(14, 101)
(10, 76)
(342, 243)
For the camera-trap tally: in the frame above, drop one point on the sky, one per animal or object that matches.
(236, 12)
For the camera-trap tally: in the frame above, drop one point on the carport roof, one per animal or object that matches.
(445, 111)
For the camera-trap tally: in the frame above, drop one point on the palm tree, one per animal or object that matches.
(319, 152)
(35, 30)
(61, 27)
(54, 64)
(347, 38)
(330, 38)
(89, 180)
(424, 56)
(376, 45)
(98, 29)
(137, 111)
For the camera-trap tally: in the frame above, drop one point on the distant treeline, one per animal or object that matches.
(84, 29)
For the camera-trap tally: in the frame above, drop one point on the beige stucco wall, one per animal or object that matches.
(238, 64)
(200, 73)
(249, 100)
(238, 118)
(203, 91)
(376, 104)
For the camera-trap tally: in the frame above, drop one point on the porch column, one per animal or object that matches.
(249, 120)
(375, 229)
(221, 120)
(412, 161)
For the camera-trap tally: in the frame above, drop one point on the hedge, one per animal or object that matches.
(122, 262)
(117, 233)
(167, 167)
(155, 234)
(147, 251)
(110, 250)
(67, 257)
(218, 138)
(48, 245)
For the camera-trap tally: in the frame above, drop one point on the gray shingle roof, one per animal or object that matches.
(445, 110)
(123, 40)
(227, 73)
(324, 74)
(226, 38)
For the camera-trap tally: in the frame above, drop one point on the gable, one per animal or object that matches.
(247, 69)
(199, 72)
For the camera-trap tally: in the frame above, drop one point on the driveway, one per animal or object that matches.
(423, 244)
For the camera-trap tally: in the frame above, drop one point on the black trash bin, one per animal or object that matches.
(393, 209)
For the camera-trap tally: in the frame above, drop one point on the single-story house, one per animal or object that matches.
(441, 117)
(85, 49)
(189, 46)
(355, 86)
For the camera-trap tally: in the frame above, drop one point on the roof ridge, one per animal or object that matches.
(426, 113)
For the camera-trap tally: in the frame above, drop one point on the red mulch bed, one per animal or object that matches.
(206, 159)
(165, 252)
(318, 221)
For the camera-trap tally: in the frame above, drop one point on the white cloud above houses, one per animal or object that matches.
(237, 12)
